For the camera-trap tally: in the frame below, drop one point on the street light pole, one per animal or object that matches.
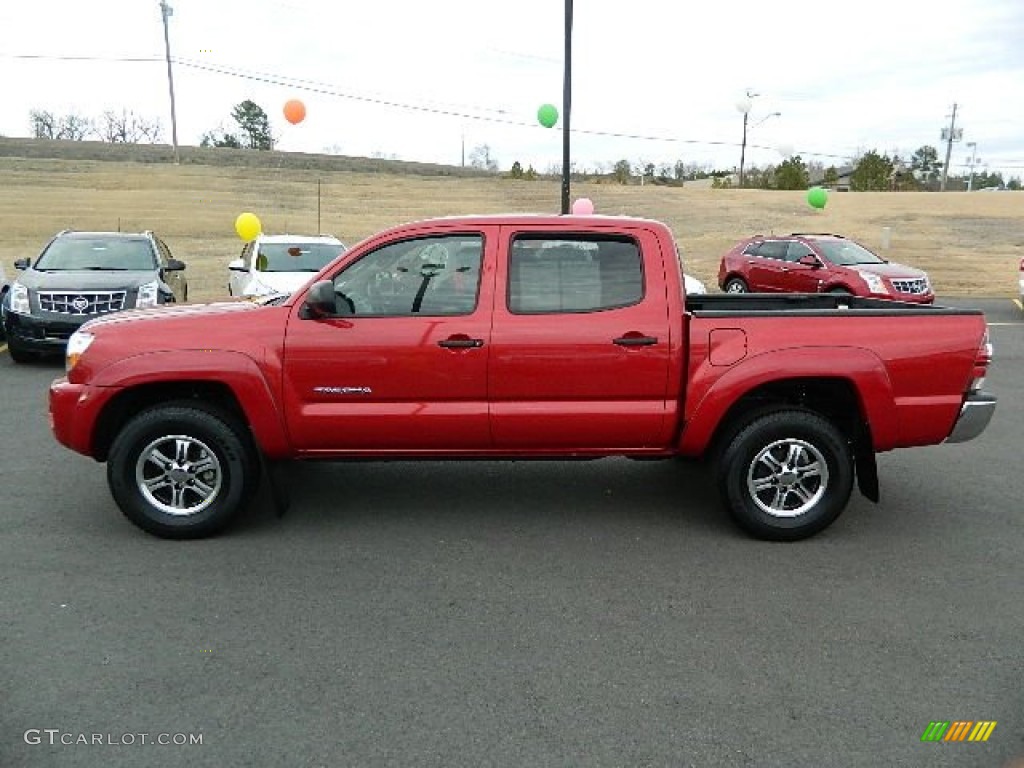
(972, 162)
(566, 106)
(165, 11)
(743, 149)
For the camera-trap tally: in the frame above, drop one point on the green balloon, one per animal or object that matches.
(547, 115)
(817, 197)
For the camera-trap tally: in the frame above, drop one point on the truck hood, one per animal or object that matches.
(889, 270)
(85, 280)
(211, 313)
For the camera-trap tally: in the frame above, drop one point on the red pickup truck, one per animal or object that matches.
(518, 337)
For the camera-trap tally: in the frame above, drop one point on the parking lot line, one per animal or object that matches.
(3, 348)
(1019, 305)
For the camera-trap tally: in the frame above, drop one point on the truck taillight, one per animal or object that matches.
(981, 362)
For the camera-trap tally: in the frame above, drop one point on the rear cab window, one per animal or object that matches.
(573, 273)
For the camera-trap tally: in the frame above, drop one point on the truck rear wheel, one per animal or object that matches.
(182, 471)
(786, 475)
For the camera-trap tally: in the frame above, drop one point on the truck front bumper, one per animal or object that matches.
(975, 414)
(74, 411)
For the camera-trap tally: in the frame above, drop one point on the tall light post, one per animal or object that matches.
(971, 162)
(566, 105)
(166, 11)
(744, 105)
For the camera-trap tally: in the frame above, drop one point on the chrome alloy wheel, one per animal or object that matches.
(787, 478)
(178, 474)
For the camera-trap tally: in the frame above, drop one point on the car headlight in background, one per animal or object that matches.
(77, 344)
(875, 282)
(147, 296)
(19, 299)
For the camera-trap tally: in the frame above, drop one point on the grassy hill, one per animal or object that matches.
(970, 243)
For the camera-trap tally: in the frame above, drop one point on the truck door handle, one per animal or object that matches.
(635, 341)
(460, 343)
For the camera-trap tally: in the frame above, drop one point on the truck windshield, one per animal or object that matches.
(74, 253)
(296, 257)
(846, 253)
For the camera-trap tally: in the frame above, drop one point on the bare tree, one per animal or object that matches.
(127, 128)
(150, 130)
(73, 127)
(44, 124)
(480, 157)
(117, 128)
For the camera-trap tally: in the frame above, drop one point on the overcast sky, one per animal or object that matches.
(415, 79)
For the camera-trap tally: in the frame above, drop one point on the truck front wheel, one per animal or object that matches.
(181, 471)
(786, 475)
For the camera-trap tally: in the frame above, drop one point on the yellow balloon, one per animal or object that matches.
(248, 226)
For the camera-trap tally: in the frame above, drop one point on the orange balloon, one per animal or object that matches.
(294, 111)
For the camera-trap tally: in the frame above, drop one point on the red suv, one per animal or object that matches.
(818, 263)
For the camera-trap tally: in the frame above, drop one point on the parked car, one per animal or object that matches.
(81, 275)
(1020, 282)
(280, 263)
(5, 286)
(693, 286)
(818, 263)
(518, 337)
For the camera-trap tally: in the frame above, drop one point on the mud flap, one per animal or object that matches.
(279, 496)
(867, 467)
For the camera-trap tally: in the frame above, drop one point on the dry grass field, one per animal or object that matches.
(970, 243)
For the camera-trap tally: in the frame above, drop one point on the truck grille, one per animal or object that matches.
(914, 285)
(82, 303)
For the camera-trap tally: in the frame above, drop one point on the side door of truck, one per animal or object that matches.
(402, 366)
(580, 347)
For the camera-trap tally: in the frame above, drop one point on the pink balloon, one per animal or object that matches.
(583, 206)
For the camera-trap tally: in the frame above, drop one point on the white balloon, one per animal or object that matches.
(744, 105)
(786, 150)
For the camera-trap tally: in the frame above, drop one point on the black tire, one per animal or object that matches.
(20, 354)
(736, 285)
(215, 466)
(772, 499)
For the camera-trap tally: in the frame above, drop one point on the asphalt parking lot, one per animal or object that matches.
(525, 614)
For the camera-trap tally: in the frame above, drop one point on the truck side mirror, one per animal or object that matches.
(320, 300)
(810, 260)
(21, 264)
(175, 265)
(238, 265)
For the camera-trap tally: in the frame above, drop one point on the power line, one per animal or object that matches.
(327, 89)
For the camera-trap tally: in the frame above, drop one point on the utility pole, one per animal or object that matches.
(566, 106)
(165, 11)
(949, 149)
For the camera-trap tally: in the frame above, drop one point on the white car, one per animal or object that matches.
(273, 264)
(1021, 281)
(693, 285)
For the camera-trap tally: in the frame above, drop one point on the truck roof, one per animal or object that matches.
(570, 221)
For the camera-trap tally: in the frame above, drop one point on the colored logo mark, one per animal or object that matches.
(958, 730)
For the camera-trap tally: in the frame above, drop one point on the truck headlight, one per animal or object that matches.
(19, 299)
(147, 296)
(875, 282)
(77, 344)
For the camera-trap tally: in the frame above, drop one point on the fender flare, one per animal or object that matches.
(240, 373)
(863, 369)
